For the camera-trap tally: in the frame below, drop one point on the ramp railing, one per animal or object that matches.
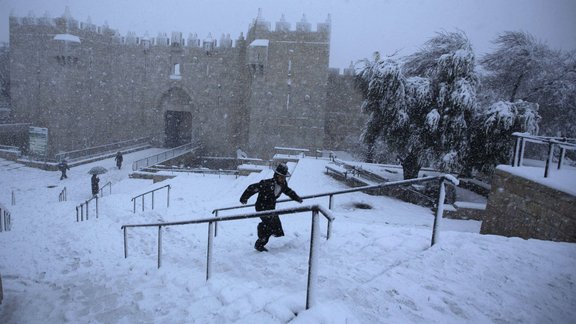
(80, 209)
(99, 150)
(442, 179)
(314, 237)
(108, 184)
(5, 219)
(561, 142)
(152, 192)
(63, 195)
(164, 156)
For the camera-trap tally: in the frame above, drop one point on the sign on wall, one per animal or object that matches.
(38, 140)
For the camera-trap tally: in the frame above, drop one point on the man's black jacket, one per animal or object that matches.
(266, 199)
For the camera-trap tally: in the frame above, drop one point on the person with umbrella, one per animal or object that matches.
(95, 171)
(95, 187)
(268, 192)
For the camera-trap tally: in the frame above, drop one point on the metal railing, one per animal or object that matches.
(80, 209)
(164, 156)
(63, 195)
(98, 150)
(439, 204)
(5, 219)
(152, 192)
(314, 237)
(562, 142)
(108, 184)
(218, 172)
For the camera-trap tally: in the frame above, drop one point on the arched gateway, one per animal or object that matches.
(176, 106)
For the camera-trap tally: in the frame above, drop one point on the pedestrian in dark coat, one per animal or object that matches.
(268, 192)
(119, 158)
(95, 186)
(63, 166)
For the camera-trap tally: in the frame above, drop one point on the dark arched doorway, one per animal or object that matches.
(178, 120)
(178, 128)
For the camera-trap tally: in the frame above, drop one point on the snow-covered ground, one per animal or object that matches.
(378, 266)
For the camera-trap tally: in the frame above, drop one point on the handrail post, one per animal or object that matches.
(329, 229)
(549, 159)
(439, 211)
(215, 224)
(312, 262)
(168, 197)
(13, 198)
(96, 206)
(522, 146)
(125, 243)
(330, 201)
(82, 212)
(142, 202)
(209, 251)
(77, 220)
(87, 208)
(152, 199)
(159, 245)
(516, 155)
(561, 157)
(134, 200)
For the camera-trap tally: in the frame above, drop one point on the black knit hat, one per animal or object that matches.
(282, 169)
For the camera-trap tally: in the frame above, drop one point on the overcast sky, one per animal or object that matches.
(359, 27)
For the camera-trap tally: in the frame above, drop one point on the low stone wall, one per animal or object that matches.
(520, 207)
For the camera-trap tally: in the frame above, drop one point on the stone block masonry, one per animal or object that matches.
(523, 208)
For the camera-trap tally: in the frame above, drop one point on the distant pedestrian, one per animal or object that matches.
(95, 186)
(119, 158)
(63, 166)
(268, 192)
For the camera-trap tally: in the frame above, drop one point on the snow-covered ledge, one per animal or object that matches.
(563, 179)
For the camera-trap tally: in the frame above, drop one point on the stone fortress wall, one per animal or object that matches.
(91, 86)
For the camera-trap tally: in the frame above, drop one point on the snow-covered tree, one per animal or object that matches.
(422, 109)
(492, 140)
(449, 62)
(514, 65)
(394, 105)
(382, 86)
(523, 68)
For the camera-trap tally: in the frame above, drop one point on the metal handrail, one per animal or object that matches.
(345, 191)
(439, 204)
(152, 191)
(218, 172)
(314, 236)
(63, 195)
(82, 153)
(109, 184)
(5, 219)
(164, 156)
(562, 142)
(81, 207)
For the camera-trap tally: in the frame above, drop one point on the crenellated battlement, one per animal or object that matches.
(67, 24)
(282, 26)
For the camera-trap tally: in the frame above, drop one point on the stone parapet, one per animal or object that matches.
(523, 208)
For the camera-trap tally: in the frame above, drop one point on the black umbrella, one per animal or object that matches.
(97, 170)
